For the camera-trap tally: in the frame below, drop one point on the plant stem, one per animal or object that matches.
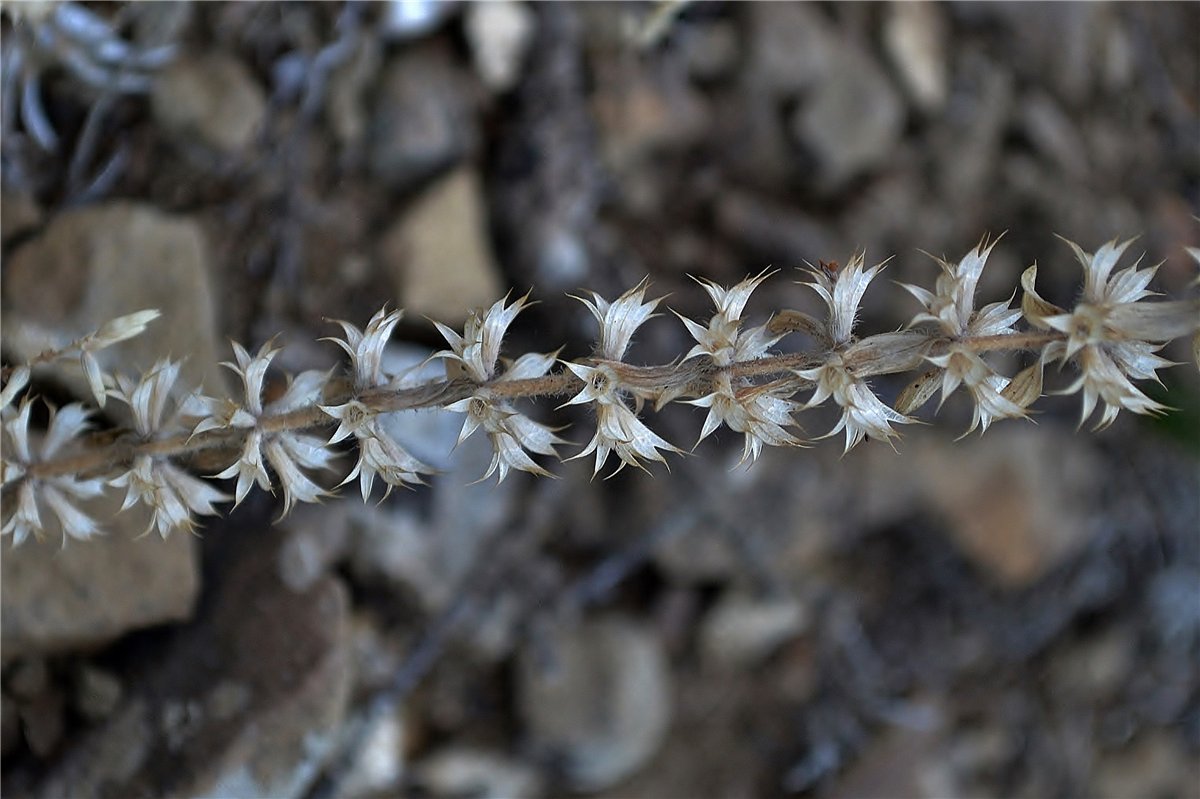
(699, 381)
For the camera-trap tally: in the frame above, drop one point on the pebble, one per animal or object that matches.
(438, 252)
(602, 704)
(211, 100)
(499, 34)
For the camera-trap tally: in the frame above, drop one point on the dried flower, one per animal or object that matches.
(951, 307)
(289, 451)
(378, 453)
(474, 354)
(618, 428)
(723, 339)
(173, 496)
(60, 494)
(755, 411)
(1111, 335)
(841, 376)
(620, 320)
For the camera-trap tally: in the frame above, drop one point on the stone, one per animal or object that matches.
(710, 50)
(1155, 764)
(91, 265)
(404, 20)
(915, 37)
(1016, 505)
(742, 630)
(210, 99)
(379, 763)
(246, 701)
(423, 119)
(43, 723)
(97, 692)
(438, 252)
(463, 771)
(56, 599)
(793, 47)
(21, 213)
(852, 120)
(640, 113)
(499, 34)
(599, 703)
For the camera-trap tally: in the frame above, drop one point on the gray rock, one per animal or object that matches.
(602, 704)
(438, 252)
(21, 213)
(211, 100)
(423, 119)
(794, 44)
(346, 100)
(97, 692)
(710, 50)
(91, 265)
(853, 119)
(245, 702)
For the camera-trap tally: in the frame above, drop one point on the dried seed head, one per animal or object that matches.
(477, 350)
(619, 320)
(723, 339)
(1111, 334)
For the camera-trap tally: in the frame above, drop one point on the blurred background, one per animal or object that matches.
(1011, 615)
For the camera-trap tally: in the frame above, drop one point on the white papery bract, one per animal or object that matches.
(379, 455)
(1111, 335)
(60, 494)
(618, 428)
(288, 452)
(365, 347)
(723, 339)
(172, 495)
(475, 355)
(619, 320)
(752, 410)
(951, 307)
(863, 414)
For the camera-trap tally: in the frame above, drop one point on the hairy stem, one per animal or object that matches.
(698, 379)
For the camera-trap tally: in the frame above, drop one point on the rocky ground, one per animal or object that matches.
(1011, 615)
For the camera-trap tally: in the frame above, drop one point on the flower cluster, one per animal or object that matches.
(473, 356)
(761, 413)
(618, 428)
(379, 455)
(1111, 336)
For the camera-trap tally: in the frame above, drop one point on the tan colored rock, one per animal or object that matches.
(20, 212)
(246, 701)
(438, 253)
(55, 599)
(1017, 503)
(741, 629)
(91, 265)
(212, 99)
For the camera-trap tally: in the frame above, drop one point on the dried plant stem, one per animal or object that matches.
(695, 378)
